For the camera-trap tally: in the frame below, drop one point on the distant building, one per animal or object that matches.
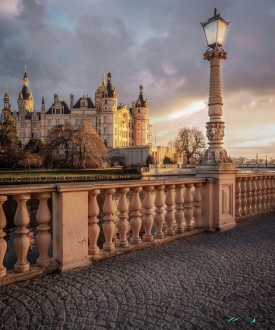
(117, 125)
(120, 127)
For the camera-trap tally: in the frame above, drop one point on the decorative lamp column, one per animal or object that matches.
(215, 29)
(215, 163)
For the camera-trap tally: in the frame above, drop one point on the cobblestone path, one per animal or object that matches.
(199, 282)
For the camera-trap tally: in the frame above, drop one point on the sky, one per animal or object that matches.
(68, 44)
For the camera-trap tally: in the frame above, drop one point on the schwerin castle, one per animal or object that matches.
(123, 130)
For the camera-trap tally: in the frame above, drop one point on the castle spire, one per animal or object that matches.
(6, 95)
(25, 78)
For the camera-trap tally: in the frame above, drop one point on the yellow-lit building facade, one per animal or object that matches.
(118, 125)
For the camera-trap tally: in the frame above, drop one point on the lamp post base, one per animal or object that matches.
(218, 197)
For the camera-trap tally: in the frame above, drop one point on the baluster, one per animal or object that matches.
(237, 198)
(169, 215)
(159, 218)
(259, 194)
(248, 195)
(268, 195)
(108, 225)
(197, 205)
(243, 196)
(263, 193)
(43, 238)
(22, 239)
(147, 218)
(122, 224)
(3, 243)
(188, 206)
(179, 216)
(135, 221)
(254, 195)
(93, 227)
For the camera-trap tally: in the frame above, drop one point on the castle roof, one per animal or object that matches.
(90, 103)
(141, 98)
(25, 92)
(64, 104)
(110, 88)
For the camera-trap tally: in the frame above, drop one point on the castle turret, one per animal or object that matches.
(25, 99)
(141, 121)
(7, 106)
(71, 101)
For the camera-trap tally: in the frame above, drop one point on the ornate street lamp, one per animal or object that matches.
(215, 29)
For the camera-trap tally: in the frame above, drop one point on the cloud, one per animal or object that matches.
(67, 45)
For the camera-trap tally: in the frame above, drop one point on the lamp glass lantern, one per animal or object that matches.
(215, 30)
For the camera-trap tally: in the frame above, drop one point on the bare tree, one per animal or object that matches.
(88, 149)
(29, 159)
(190, 142)
(81, 148)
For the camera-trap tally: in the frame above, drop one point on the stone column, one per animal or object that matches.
(122, 224)
(215, 163)
(147, 218)
(159, 217)
(22, 239)
(93, 227)
(215, 127)
(70, 228)
(135, 221)
(43, 238)
(108, 225)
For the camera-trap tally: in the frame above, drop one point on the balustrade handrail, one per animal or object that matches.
(82, 186)
(121, 184)
(252, 175)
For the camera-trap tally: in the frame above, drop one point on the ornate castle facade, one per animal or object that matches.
(118, 126)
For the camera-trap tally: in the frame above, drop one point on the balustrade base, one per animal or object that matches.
(135, 241)
(227, 226)
(169, 232)
(122, 244)
(43, 262)
(179, 231)
(147, 238)
(66, 267)
(12, 276)
(21, 268)
(158, 235)
(93, 251)
(3, 272)
(118, 251)
(252, 215)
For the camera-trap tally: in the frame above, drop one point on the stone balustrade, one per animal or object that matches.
(162, 208)
(133, 215)
(254, 194)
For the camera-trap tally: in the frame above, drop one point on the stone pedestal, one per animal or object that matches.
(218, 207)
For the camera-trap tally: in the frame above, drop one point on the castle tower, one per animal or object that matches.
(25, 99)
(141, 121)
(7, 106)
(107, 112)
(99, 94)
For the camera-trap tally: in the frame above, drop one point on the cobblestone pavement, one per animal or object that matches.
(198, 282)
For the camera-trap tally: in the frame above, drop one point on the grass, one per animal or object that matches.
(57, 173)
